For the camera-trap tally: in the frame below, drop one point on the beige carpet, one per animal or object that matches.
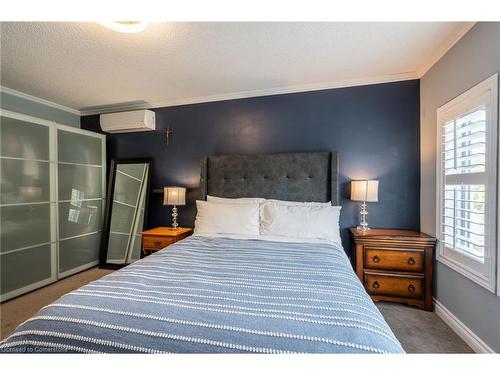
(19, 309)
(418, 331)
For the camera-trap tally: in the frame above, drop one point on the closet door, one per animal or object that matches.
(27, 204)
(81, 168)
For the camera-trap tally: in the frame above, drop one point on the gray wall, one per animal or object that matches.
(474, 58)
(28, 107)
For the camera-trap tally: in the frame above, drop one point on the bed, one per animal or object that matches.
(225, 294)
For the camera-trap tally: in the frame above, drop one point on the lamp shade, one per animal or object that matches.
(364, 190)
(174, 196)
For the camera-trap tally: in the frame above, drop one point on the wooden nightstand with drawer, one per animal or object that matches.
(395, 265)
(161, 237)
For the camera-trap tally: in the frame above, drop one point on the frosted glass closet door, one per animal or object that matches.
(27, 204)
(81, 194)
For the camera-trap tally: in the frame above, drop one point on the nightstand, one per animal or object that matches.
(395, 265)
(161, 237)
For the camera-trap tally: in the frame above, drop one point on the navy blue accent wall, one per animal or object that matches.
(375, 128)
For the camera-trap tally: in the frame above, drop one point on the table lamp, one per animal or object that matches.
(174, 196)
(364, 191)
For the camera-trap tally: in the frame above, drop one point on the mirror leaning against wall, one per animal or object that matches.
(126, 211)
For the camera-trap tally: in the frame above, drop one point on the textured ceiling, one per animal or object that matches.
(82, 65)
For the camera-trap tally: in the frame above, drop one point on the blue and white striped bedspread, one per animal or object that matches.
(216, 295)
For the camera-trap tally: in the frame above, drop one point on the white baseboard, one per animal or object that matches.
(470, 338)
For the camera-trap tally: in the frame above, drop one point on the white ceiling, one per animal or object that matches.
(85, 66)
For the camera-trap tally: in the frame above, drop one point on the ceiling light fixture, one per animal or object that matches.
(126, 26)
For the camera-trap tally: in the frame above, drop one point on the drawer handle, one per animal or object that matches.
(376, 285)
(411, 288)
(411, 261)
(157, 242)
(376, 259)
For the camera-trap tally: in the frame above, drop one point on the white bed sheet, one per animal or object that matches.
(271, 238)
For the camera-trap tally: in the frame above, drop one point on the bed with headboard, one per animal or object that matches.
(301, 177)
(226, 293)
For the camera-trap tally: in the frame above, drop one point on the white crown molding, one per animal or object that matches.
(229, 96)
(36, 99)
(289, 89)
(257, 93)
(441, 50)
(99, 110)
(465, 333)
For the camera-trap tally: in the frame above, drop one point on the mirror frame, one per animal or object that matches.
(103, 253)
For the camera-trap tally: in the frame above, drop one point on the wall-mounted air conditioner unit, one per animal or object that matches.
(131, 121)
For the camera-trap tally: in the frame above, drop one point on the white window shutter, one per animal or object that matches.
(467, 183)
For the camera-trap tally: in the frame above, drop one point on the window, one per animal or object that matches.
(467, 183)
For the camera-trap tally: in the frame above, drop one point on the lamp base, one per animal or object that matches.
(363, 226)
(364, 229)
(175, 226)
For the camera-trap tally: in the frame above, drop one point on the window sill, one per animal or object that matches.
(466, 272)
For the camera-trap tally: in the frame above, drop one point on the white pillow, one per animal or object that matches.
(292, 203)
(222, 218)
(211, 198)
(302, 221)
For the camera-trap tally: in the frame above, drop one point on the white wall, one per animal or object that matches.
(474, 58)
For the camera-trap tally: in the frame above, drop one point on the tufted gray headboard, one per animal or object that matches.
(303, 176)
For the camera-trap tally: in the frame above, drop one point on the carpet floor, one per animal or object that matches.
(418, 331)
(19, 309)
(421, 331)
